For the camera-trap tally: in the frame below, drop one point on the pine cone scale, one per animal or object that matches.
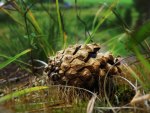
(82, 66)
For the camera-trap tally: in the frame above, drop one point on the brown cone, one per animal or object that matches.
(82, 66)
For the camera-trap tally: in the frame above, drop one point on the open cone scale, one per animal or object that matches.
(82, 66)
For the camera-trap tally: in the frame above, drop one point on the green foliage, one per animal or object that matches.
(21, 92)
(29, 34)
(49, 28)
(98, 1)
(46, 28)
(133, 42)
(107, 13)
(142, 33)
(117, 45)
(12, 59)
(145, 69)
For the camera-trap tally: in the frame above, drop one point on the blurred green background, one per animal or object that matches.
(76, 29)
(47, 29)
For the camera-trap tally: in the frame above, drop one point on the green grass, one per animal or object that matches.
(20, 93)
(47, 30)
(10, 60)
(98, 1)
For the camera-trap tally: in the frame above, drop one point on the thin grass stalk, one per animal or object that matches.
(21, 92)
(12, 59)
(87, 34)
(142, 59)
(60, 24)
(97, 14)
(10, 15)
(133, 74)
(32, 20)
(107, 14)
(146, 43)
(29, 37)
(6, 57)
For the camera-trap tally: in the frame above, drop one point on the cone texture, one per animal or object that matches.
(82, 66)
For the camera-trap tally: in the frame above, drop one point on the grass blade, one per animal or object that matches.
(11, 16)
(22, 62)
(107, 14)
(142, 59)
(4, 64)
(34, 22)
(60, 24)
(97, 14)
(91, 103)
(21, 92)
(143, 32)
(134, 75)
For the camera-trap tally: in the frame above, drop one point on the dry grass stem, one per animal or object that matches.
(91, 103)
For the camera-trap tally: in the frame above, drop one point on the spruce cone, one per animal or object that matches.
(82, 66)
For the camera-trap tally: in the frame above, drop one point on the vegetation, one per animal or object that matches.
(32, 32)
